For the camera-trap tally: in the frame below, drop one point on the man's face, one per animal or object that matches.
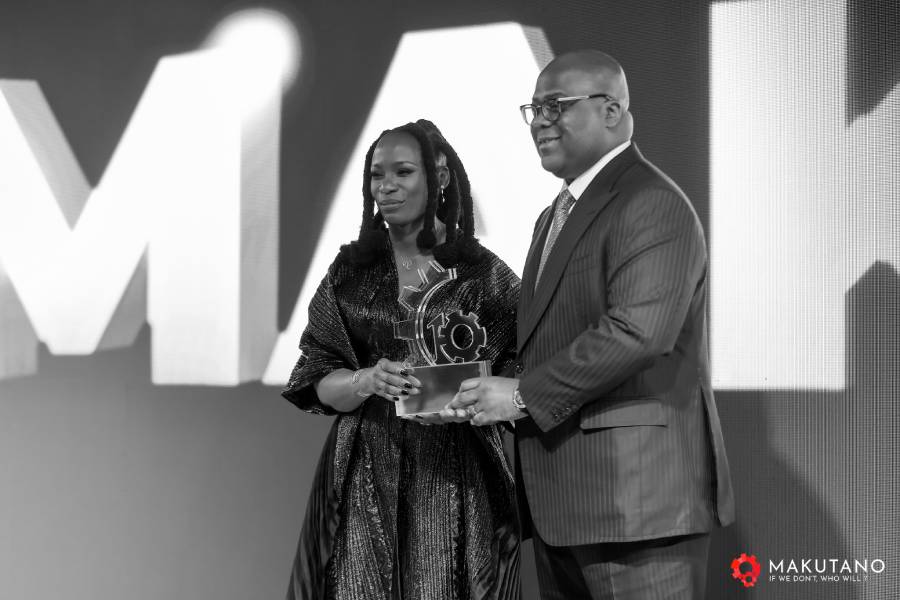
(576, 140)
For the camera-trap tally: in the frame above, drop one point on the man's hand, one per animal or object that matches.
(486, 400)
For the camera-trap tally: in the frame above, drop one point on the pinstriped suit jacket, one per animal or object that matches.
(623, 441)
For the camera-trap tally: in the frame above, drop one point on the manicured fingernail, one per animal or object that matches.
(404, 393)
(407, 385)
(404, 372)
(396, 398)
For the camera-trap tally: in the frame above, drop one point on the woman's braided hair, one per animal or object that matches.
(453, 205)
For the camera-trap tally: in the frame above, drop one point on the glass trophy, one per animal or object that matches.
(457, 341)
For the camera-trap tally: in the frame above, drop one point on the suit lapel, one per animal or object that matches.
(531, 265)
(598, 194)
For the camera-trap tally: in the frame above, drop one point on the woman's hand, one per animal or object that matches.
(390, 380)
(345, 390)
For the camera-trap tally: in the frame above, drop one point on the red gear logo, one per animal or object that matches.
(748, 578)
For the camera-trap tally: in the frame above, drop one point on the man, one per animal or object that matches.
(620, 459)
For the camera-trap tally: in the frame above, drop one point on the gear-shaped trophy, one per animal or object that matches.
(457, 342)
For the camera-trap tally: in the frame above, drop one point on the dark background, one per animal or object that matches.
(112, 487)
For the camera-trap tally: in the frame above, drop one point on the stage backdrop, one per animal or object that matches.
(175, 177)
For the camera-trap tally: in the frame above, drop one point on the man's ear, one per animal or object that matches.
(613, 112)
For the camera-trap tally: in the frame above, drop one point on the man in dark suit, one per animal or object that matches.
(620, 458)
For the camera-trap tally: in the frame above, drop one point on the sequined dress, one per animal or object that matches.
(399, 509)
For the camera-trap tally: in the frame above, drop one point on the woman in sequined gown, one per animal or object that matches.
(399, 508)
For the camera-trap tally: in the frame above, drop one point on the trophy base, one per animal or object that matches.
(439, 384)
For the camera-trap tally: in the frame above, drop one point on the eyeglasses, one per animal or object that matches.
(554, 107)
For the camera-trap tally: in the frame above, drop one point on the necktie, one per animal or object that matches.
(564, 202)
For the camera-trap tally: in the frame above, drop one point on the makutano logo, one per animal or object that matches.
(747, 570)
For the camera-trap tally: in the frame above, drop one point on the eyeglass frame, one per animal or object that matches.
(559, 101)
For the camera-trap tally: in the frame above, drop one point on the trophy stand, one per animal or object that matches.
(458, 340)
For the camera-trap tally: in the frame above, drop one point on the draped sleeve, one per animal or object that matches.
(499, 300)
(324, 347)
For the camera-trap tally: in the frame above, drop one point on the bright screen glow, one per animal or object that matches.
(259, 40)
(803, 202)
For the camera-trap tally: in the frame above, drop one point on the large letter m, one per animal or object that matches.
(185, 217)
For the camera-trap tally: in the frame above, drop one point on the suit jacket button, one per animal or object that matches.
(519, 368)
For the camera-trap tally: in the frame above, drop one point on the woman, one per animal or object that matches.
(400, 509)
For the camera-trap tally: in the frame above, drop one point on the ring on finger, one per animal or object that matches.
(472, 411)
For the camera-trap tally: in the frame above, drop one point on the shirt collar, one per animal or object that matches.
(580, 183)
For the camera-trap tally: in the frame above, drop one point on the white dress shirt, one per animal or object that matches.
(580, 183)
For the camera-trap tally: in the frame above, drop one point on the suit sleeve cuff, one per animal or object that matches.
(546, 415)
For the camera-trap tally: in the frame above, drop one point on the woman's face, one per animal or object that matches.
(399, 182)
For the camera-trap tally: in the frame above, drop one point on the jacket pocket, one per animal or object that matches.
(623, 412)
